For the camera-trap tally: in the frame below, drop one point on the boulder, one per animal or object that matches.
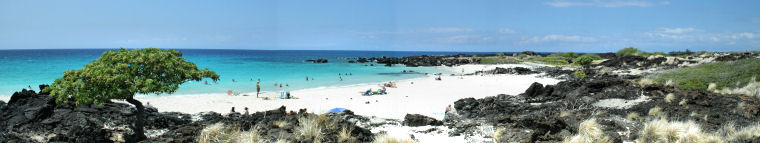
(420, 120)
(317, 61)
(522, 70)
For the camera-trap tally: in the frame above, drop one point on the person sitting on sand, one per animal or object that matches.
(232, 111)
(368, 92)
(246, 110)
(229, 92)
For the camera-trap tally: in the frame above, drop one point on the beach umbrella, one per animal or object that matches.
(336, 110)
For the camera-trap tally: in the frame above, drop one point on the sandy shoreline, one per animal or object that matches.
(425, 96)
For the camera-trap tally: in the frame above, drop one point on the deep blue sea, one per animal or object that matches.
(22, 68)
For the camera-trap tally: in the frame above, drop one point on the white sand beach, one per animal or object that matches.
(425, 96)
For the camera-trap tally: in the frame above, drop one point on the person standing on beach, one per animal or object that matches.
(258, 88)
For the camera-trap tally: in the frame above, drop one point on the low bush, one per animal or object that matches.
(732, 74)
(579, 74)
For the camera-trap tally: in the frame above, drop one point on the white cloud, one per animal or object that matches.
(446, 30)
(600, 3)
(700, 36)
(678, 30)
(507, 31)
(557, 38)
(463, 39)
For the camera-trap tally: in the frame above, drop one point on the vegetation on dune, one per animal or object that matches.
(122, 74)
(724, 75)
(631, 51)
(498, 60)
(579, 74)
(554, 60)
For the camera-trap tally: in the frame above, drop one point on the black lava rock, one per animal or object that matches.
(420, 120)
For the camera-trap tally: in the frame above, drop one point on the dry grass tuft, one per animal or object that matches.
(589, 131)
(670, 97)
(345, 134)
(251, 136)
(281, 124)
(632, 116)
(683, 102)
(645, 81)
(309, 128)
(385, 138)
(564, 114)
(663, 131)
(752, 89)
(712, 87)
(693, 114)
(657, 112)
(497, 135)
(218, 132)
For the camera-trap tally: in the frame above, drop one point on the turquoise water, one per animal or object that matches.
(21, 68)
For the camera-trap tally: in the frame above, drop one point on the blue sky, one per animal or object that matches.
(400, 25)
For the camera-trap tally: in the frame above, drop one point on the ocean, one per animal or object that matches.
(22, 68)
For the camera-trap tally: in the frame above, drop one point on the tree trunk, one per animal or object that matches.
(138, 127)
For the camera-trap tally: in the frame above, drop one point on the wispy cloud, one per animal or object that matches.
(507, 31)
(600, 3)
(754, 20)
(678, 30)
(556, 38)
(446, 30)
(698, 35)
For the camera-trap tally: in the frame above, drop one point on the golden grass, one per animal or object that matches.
(670, 97)
(251, 136)
(589, 131)
(645, 81)
(385, 138)
(497, 135)
(217, 133)
(309, 128)
(281, 124)
(345, 134)
(657, 112)
(632, 116)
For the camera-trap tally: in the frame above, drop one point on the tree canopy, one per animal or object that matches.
(120, 74)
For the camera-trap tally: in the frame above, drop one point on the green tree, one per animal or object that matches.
(121, 74)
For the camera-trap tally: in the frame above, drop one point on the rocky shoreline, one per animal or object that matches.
(609, 94)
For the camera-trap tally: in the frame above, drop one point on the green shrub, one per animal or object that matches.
(500, 54)
(487, 60)
(734, 74)
(579, 74)
(554, 60)
(629, 51)
(568, 55)
(522, 56)
(584, 60)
